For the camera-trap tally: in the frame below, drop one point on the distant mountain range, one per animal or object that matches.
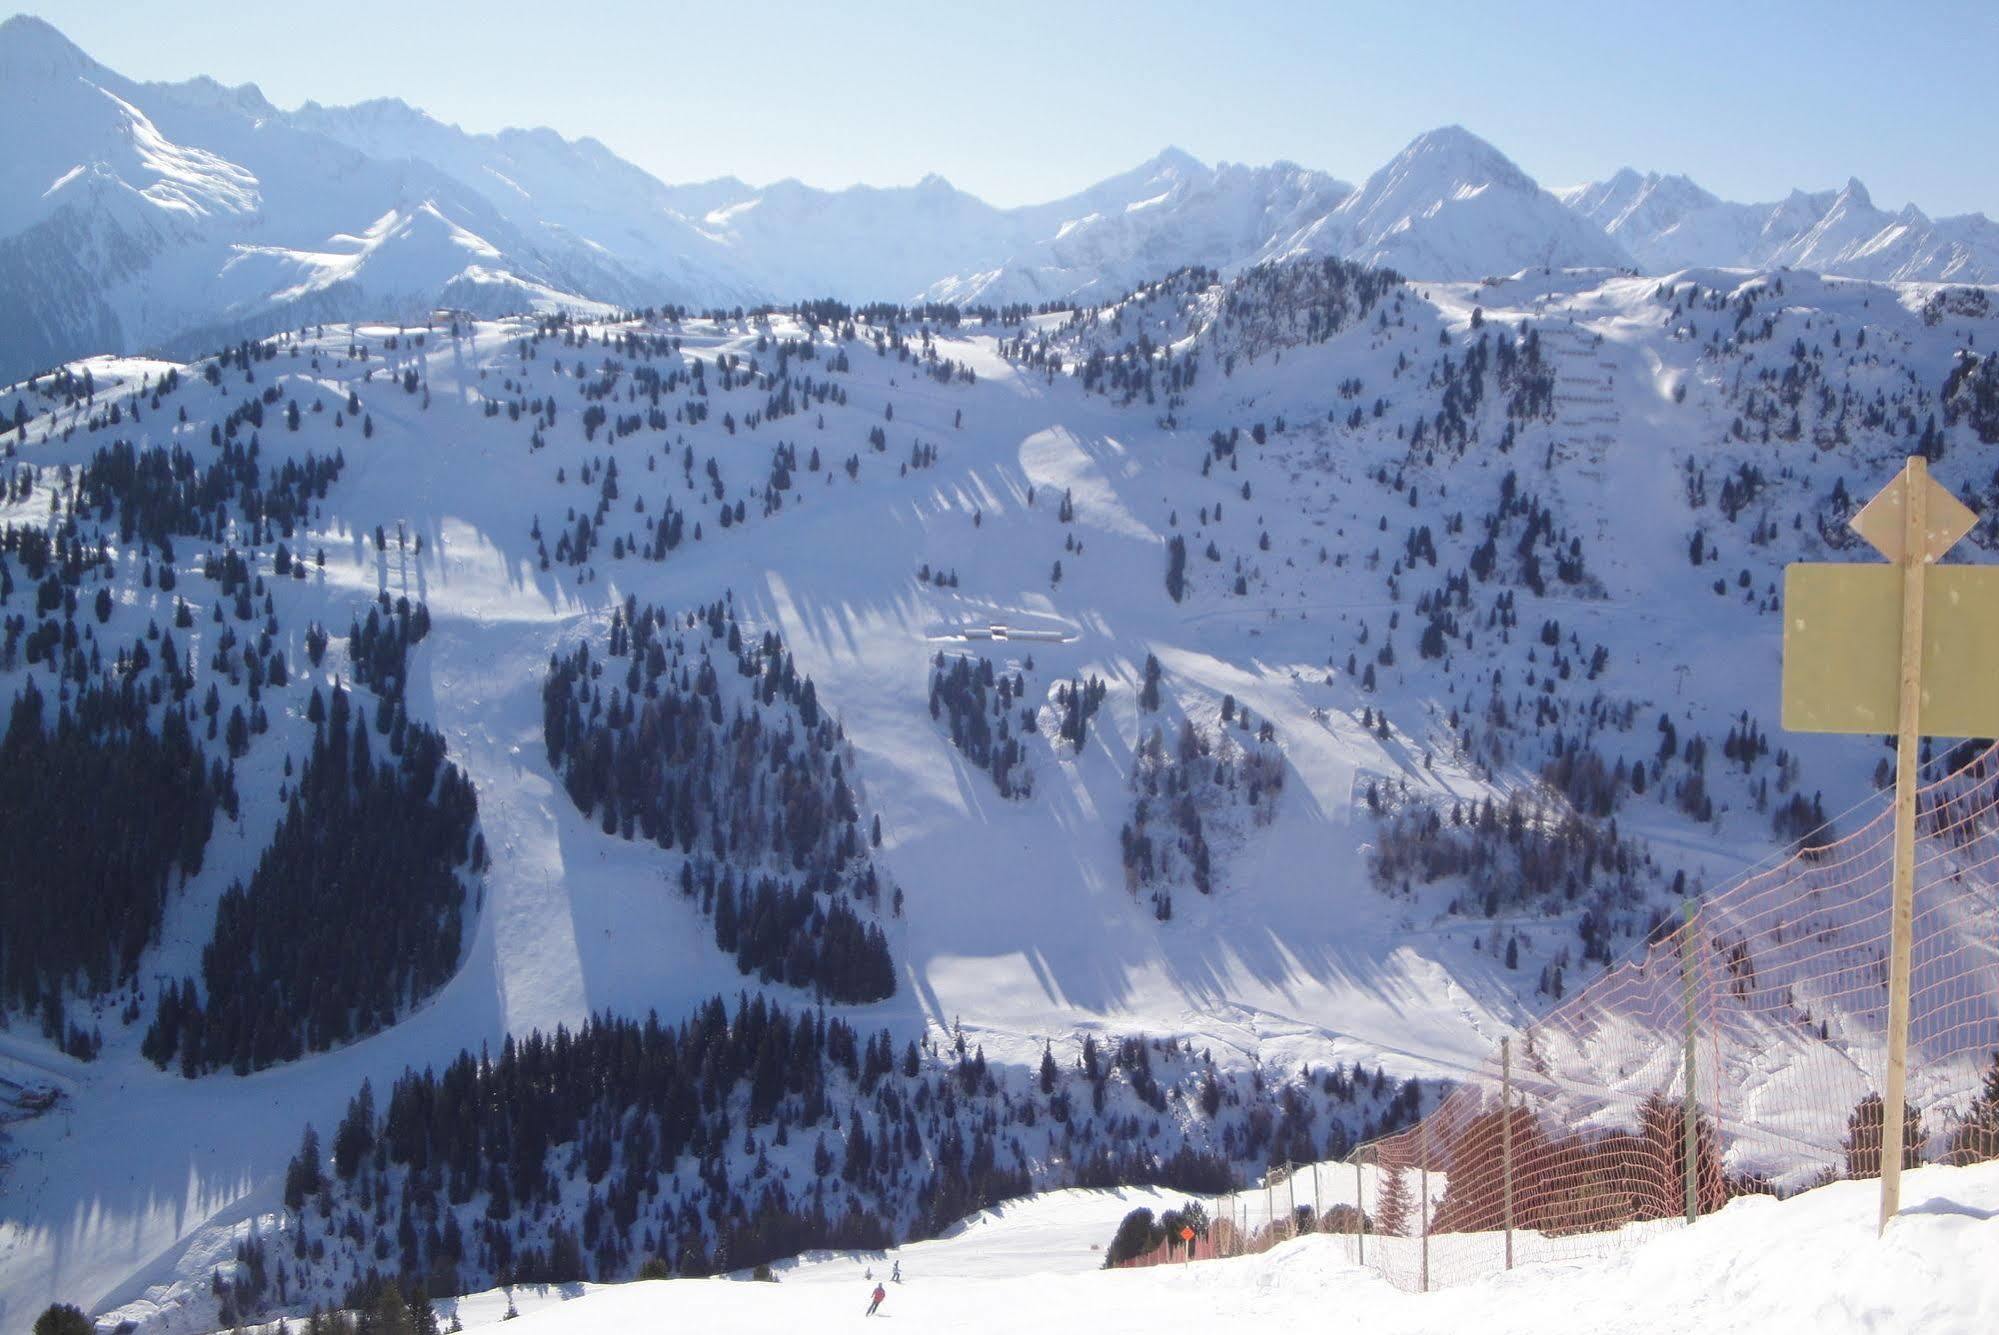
(1667, 223)
(171, 217)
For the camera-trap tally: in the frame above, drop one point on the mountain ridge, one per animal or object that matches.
(1668, 222)
(258, 207)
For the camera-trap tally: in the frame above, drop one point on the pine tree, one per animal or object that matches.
(302, 1176)
(64, 1319)
(1864, 1131)
(1392, 1206)
(1976, 1138)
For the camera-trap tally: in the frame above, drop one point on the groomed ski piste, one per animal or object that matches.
(1811, 1265)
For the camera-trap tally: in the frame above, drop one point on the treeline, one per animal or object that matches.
(743, 1135)
(1124, 349)
(739, 769)
(355, 911)
(154, 492)
(101, 816)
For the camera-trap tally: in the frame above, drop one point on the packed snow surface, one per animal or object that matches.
(1811, 1265)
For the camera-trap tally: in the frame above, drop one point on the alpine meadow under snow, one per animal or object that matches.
(564, 728)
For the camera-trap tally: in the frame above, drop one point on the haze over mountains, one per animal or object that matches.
(168, 216)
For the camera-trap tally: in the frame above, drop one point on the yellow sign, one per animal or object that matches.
(1910, 647)
(1882, 520)
(1843, 657)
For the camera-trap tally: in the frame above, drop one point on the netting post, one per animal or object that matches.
(1689, 1108)
(1423, 1153)
(1506, 1137)
(1318, 1203)
(1291, 1194)
(1360, 1208)
(1915, 536)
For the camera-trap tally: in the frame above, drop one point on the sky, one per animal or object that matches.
(1027, 101)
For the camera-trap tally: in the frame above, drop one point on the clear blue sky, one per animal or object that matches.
(1025, 101)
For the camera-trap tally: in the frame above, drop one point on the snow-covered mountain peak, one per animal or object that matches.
(1853, 195)
(1452, 206)
(30, 46)
(1451, 156)
(1174, 161)
(245, 99)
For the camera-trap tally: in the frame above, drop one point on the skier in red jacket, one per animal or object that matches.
(880, 1293)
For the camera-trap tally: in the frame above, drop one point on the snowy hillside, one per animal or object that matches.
(1245, 612)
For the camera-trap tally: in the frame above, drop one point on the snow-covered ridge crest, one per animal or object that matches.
(1668, 223)
(569, 218)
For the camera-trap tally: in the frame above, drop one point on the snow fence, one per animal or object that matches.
(1740, 1050)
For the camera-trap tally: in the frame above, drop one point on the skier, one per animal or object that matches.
(880, 1293)
(896, 1274)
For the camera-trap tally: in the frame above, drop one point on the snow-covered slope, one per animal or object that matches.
(1433, 544)
(1807, 1266)
(1668, 223)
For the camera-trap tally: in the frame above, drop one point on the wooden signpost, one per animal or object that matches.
(1909, 648)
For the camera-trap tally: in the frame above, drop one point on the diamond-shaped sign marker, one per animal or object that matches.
(1946, 519)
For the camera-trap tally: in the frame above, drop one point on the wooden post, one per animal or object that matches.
(1837, 618)
(1318, 1201)
(1291, 1188)
(1915, 516)
(1423, 1156)
(1689, 1108)
(1360, 1224)
(1506, 1137)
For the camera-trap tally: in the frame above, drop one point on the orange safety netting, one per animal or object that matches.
(1747, 1042)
